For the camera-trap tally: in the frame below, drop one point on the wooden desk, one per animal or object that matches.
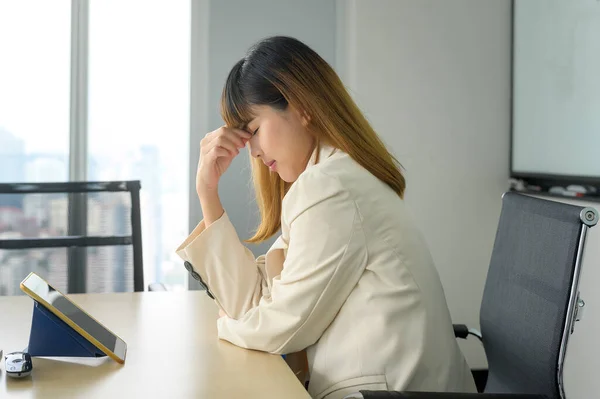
(173, 352)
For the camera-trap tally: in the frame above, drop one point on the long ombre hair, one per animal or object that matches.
(280, 71)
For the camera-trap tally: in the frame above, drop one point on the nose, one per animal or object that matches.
(254, 148)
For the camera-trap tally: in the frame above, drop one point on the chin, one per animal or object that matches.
(287, 177)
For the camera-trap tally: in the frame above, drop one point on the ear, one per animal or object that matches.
(305, 118)
(302, 114)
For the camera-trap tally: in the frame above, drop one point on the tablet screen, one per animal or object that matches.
(43, 292)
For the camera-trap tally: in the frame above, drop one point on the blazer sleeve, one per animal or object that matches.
(228, 268)
(326, 257)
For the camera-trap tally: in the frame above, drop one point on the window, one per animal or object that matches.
(34, 90)
(138, 125)
(34, 128)
(137, 113)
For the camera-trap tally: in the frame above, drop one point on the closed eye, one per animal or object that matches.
(256, 131)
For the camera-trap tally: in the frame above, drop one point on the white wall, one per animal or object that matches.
(434, 79)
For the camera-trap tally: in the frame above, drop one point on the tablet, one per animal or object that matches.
(105, 340)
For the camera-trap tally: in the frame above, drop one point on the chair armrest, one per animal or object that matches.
(157, 287)
(442, 395)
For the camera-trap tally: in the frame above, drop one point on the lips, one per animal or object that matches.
(270, 164)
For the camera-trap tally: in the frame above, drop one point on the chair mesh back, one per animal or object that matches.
(526, 295)
(46, 215)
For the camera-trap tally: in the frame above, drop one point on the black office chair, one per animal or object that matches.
(530, 303)
(80, 236)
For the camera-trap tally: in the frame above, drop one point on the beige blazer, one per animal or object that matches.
(350, 280)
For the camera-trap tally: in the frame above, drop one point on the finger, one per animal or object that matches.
(205, 143)
(228, 145)
(240, 142)
(224, 134)
(218, 152)
(242, 133)
(212, 156)
(221, 141)
(238, 136)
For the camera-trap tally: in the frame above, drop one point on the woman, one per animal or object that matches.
(350, 278)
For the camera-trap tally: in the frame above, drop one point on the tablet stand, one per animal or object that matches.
(52, 337)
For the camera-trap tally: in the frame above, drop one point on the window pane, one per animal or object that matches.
(34, 90)
(50, 263)
(109, 268)
(139, 117)
(33, 216)
(35, 50)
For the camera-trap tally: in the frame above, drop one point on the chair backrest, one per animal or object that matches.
(80, 236)
(531, 293)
